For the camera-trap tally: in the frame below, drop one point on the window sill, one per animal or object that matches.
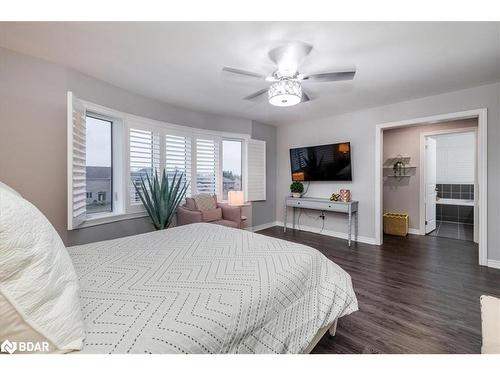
(111, 218)
(246, 204)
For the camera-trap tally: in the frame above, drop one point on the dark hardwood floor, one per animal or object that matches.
(418, 294)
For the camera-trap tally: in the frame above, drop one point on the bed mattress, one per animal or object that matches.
(204, 288)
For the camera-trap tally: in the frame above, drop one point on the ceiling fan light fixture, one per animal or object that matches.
(285, 93)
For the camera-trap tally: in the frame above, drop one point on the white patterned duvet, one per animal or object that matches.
(204, 288)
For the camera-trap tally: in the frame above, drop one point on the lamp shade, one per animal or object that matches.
(235, 198)
(285, 93)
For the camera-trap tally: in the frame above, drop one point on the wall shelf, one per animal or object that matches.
(404, 170)
(391, 168)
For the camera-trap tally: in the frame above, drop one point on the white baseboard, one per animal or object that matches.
(494, 263)
(331, 233)
(262, 226)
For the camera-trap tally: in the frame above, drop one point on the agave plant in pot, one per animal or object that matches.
(161, 197)
(297, 189)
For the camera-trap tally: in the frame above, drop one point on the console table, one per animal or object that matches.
(322, 204)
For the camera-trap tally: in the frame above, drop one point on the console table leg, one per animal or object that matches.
(349, 231)
(284, 219)
(293, 219)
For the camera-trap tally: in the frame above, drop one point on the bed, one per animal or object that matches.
(204, 288)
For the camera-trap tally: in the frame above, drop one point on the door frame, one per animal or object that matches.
(422, 184)
(423, 166)
(482, 178)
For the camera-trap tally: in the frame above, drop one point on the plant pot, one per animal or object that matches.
(296, 195)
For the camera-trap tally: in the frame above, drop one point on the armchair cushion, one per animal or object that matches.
(212, 215)
(232, 213)
(205, 202)
(187, 216)
(227, 223)
(190, 203)
(205, 208)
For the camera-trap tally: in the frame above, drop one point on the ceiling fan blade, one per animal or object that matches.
(241, 72)
(289, 56)
(255, 95)
(330, 77)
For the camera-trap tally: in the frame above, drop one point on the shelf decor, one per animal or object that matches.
(399, 167)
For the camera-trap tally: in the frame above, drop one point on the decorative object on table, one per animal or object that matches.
(161, 197)
(235, 198)
(345, 195)
(396, 224)
(335, 197)
(296, 188)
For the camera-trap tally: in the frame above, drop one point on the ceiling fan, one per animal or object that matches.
(286, 81)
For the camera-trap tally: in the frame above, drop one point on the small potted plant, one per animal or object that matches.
(297, 189)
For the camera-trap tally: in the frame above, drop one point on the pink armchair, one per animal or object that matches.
(216, 213)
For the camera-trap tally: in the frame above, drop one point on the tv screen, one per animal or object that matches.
(322, 163)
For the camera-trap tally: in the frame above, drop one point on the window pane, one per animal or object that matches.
(207, 162)
(99, 166)
(144, 158)
(178, 157)
(231, 166)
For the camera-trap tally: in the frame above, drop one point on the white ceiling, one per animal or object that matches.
(180, 62)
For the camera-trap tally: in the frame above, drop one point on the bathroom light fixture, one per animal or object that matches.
(285, 93)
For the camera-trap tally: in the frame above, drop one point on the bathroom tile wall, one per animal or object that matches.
(455, 213)
(455, 191)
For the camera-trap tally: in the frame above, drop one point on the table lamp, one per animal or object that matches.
(236, 198)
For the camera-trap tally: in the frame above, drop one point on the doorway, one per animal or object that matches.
(450, 183)
(480, 189)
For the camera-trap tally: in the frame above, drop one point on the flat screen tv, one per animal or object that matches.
(321, 163)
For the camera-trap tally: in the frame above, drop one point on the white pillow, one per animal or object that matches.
(38, 283)
(490, 324)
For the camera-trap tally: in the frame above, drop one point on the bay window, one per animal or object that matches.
(109, 150)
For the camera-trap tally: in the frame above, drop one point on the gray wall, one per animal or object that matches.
(359, 128)
(33, 135)
(265, 211)
(403, 195)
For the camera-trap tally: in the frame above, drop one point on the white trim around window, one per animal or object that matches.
(122, 207)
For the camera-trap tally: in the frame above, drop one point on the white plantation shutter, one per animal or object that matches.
(207, 165)
(256, 173)
(144, 158)
(76, 129)
(178, 155)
